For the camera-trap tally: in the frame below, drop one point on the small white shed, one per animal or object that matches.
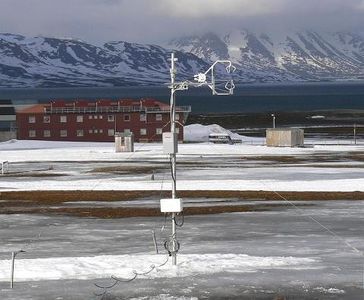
(124, 142)
(284, 137)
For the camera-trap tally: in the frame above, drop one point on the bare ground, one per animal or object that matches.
(52, 202)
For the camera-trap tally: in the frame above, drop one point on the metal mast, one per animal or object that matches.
(174, 205)
(173, 156)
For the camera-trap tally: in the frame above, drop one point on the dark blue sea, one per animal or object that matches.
(247, 98)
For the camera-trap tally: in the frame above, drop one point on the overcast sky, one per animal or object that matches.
(156, 21)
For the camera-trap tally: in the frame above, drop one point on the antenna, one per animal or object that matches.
(174, 205)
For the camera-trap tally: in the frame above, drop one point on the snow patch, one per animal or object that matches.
(200, 133)
(123, 266)
(329, 290)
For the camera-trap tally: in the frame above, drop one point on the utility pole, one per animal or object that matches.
(274, 120)
(170, 139)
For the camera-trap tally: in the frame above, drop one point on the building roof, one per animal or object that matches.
(36, 109)
(83, 103)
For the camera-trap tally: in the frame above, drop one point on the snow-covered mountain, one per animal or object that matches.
(48, 62)
(302, 55)
(259, 57)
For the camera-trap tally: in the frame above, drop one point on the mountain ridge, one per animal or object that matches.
(259, 57)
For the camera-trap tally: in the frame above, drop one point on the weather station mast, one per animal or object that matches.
(224, 87)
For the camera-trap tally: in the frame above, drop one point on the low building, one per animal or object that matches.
(84, 120)
(285, 137)
(7, 121)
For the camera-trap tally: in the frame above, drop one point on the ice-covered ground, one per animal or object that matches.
(283, 251)
(256, 255)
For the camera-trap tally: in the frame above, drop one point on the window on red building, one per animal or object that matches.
(31, 119)
(79, 132)
(79, 119)
(110, 132)
(46, 133)
(177, 117)
(63, 133)
(143, 117)
(46, 119)
(158, 117)
(126, 118)
(110, 118)
(143, 131)
(158, 131)
(32, 133)
(63, 119)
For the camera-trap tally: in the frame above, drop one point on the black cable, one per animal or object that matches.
(183, 219)
(167, 245)
(118, 280)
(171, 167)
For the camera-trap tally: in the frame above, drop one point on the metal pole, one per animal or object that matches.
(155, 242)
(355, 134)
(13, 255)
(12, 269)
(274, 120)
(173, 155)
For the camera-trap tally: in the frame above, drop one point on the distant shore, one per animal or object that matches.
(321, 123)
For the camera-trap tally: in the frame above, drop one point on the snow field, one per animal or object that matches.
(123, 266)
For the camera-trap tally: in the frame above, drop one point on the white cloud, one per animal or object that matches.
(211, 8)
(156, 20)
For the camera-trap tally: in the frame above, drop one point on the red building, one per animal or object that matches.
(84, 120)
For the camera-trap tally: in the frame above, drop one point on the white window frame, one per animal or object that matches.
(46, 119)
(63, 119)
(143, 131)
(80, 132)
(127, 131)
(177, 117)
(126, 116)
(110, 132)
(46, 133)
(79, 119)
(143, 117)
(31, 119)
(32, 133)
(63, 133)
(111, 118)
(158, 131)
(177, 130)
(158, 117)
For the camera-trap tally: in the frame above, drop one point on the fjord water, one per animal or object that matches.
(246, 99)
